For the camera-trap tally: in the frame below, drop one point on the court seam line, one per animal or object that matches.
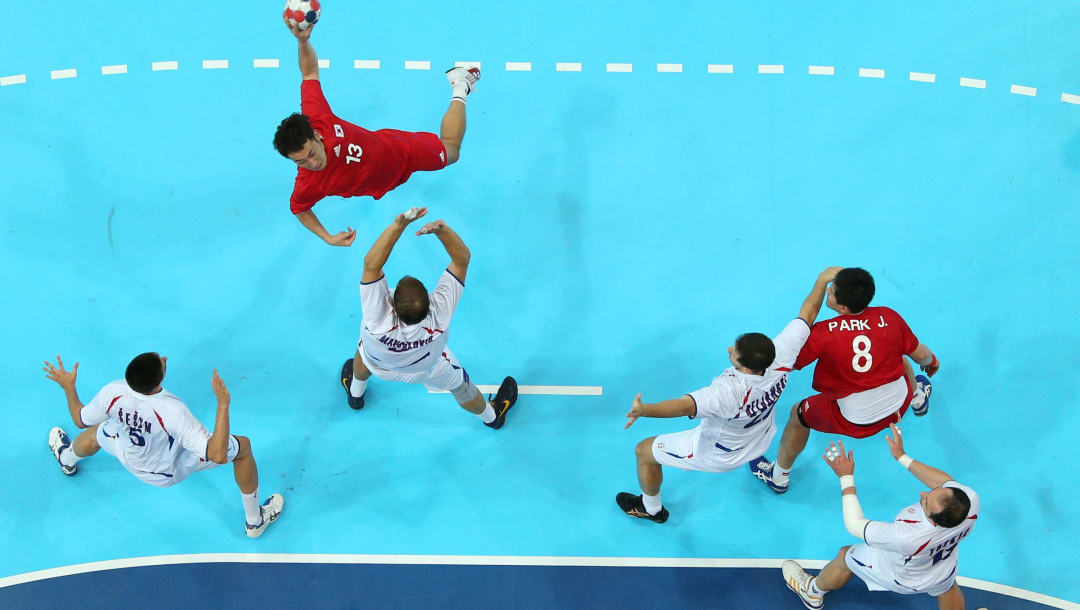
(545, 390)
(479, 560)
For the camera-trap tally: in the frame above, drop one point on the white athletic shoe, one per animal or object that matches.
(465, 76)
(58, 440)
(799, 581)
(271, 510)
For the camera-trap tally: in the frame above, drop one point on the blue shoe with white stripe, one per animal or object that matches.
(922, 382)
(763, 469)
(58, 441)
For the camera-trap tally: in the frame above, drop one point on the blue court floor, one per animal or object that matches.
(639, 184)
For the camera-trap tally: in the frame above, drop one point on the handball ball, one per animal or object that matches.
(302, 13)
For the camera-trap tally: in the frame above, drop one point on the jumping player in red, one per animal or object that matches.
(336, 157)
(863, 380)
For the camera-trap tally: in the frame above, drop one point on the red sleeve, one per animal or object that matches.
(908, 341)
(811, 350)
(300, 200)
(312, 101)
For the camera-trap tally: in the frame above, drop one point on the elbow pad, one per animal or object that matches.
(854, 520)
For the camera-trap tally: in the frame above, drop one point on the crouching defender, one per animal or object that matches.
(154, 435)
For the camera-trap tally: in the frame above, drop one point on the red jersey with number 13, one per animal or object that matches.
(358, 162)
(857, 352)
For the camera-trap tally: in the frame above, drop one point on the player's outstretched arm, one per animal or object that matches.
(455, 247)
(309, 61)
(676, 407)
(311, 222)
(384, 244)
(926, 359)
(930, 476)
(66, 380)
(844, 467)
(812, 305)
(217, 448)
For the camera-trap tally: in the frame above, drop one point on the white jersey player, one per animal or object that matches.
(154, 435)
(404, 333)
(914, 553)
(736, 411)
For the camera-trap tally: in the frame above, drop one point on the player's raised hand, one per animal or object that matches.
(840, 463)
(896, 442)
(218, 385)
(344, 239)
(636, 410)
(295, 29)
(432, 227)
(408, 216)
(829, 274)
(63, 377)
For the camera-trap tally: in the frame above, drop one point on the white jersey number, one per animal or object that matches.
(862, 361)
(355, 152)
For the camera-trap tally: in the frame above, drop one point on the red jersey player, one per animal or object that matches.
(336, 157)
(864, 382)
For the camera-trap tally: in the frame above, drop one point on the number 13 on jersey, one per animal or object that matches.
(354, 154)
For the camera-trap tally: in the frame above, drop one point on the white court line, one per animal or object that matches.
(567, 66)
(871, 73)
(620, 67)
(266, 63)
(543, 390)
(478, 560)
(518, 66)
(366, 64)
(117, 69)
(770, 69)
(467, 64)
(922, 77)
(417, 65)
(68, 73)
(15, 79)
(158, 66)
(215, 64)
(974, 83)
(324, 64)
(822, 70)
(721, 69)
(1022, 90)
(1069, 98)
(669, 67)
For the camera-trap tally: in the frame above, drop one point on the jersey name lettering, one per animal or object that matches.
(133, 420)
(850, 325)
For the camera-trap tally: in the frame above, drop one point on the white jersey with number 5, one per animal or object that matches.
(152, 431)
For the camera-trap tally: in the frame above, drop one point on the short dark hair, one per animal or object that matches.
(853, 288)
(144, 372)
(293, 134)
(411, 300)
(756, 351)
(954, 508)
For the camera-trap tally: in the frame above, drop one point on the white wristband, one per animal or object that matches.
(905, 461)
(847, 480)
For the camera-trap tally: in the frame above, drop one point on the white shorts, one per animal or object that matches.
(445, 374)
(861, 559)
(185, 464)
(681, 450)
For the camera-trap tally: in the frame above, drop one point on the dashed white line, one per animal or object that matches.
(215, 64)
(567, 66)
(922, 77)
(871, 73)
(366, 64)
(822, 70)
(721, 69)
(417, 65)
(1022, 90)
(266, 63)
(117, 69)
(620, 67)
(158, 66)
(546, 390)
(518, 66)
(974, 83)
(324, 64)
(1069, 98)
(68, 73)
(669, 67)
(467, 64)
(14, 79)
(770, 69)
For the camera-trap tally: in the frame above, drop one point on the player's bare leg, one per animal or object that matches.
(245, 471)
(452, 130)
(360, 371)
(835, 574)
(86, 443)
(793, 441)
(953, 599)
(257, 518)
(475, 403)
(650, 477)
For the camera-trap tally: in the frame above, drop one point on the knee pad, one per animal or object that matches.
(465, 392)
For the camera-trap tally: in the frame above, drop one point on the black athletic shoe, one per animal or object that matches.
(346, 380)
(504, 399)
(635, 507)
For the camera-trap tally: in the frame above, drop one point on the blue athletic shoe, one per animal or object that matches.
(763, 469)
(505, 398)
(58, 441)
(923, 382)
(356, 403)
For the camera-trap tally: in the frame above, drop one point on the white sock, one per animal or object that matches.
(488, 415)
(459, 92)
(918, 398)
(780, 475)
(357, 387)
(68, 456)
(652, 503)
(813, 588)
(252, 510)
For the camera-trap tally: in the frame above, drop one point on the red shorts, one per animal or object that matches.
(821, 412)
(424, 151)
